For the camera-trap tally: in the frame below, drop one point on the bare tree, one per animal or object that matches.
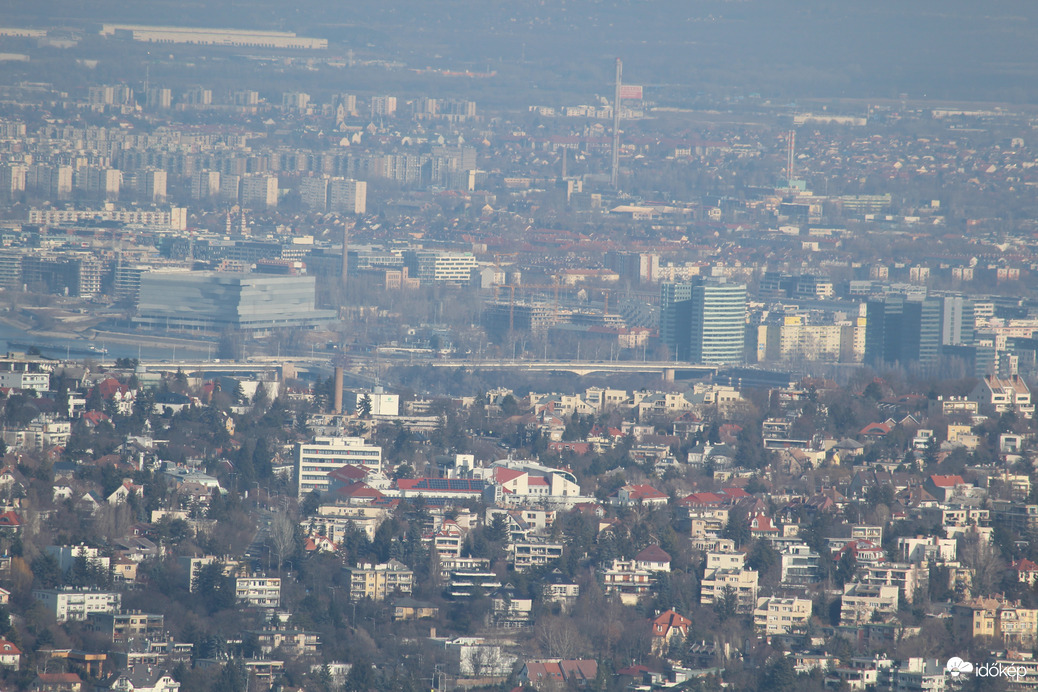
(559, 637)
(113, 521)
(983, 562)
(484, 661)
(281, 536)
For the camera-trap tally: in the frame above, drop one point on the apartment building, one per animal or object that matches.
(378, 581)
(776, 615)
(317, 459)
(861, 601)
(258, 592)
(526, 555)
(69, 604)
(738, 584)
(121, 627)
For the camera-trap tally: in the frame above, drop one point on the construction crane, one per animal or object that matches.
(511, 303)
(553, 287)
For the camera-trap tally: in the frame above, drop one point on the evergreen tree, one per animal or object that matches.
(364, 406)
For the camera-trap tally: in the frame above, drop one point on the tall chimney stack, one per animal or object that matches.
(338, 389)
(345, 253)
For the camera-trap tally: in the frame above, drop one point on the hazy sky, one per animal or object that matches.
(955, 49)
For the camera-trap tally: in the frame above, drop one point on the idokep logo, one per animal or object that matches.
(956, 667)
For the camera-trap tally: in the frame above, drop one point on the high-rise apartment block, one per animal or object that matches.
(704, 321)
(906, 329)
(259, 191)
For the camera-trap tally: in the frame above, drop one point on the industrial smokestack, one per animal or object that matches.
(345, 253)
(338, 389)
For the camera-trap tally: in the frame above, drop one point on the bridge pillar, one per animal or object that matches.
(668, 374)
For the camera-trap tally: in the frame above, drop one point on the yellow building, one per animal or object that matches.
(990, 617)
(378, 581)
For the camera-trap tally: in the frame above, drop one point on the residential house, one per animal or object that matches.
(140, 679)
(123, 493)
(10, 655)
(761, 526)
(121, 627)
(378, 581)
(926, 549)
(529, 554)
(412, 609)
(559, 589)
(777, 615)
(508, 610)
(579, 672)
(1002, 395)
(447, 540)
(668, 627)
(258, 592)
(920, 674)
(69, 604)
(726, 576)
(1026, 571)
(653, 558)
(944, 487)
(450, 564)
(56, 682)
(478, 658)
(800, 565)
(635, 495)
(625, 578)
(909, 578)
(292, 642)
(860, 601)
(995, 618)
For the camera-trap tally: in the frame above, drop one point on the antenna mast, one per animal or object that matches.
(615, 177)
(789, 158)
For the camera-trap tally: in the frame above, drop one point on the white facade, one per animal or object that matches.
(67, 605)
(860, 601)
(176, 218)
(325, 454)
(67, 555)
(36, 381)
(214, 37)
(781, 615)
(259, 592)
(259, 191)
(348, 196)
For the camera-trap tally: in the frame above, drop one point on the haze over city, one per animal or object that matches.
(605, 345)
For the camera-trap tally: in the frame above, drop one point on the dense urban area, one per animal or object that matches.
(324, 373)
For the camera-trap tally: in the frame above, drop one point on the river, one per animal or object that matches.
(13, 338)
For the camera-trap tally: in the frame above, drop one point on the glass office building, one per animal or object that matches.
(718, 322)
(214, 301)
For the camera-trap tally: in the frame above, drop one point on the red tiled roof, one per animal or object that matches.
(349, 472)
(704, 498)
(653, 553)
(51, 678)
(642, 491)
(947, 481)
(503, 475)
(663, 623)
(110, 386)
(875, 429)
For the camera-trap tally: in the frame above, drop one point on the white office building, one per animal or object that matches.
(66, 604)
(325, 454)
